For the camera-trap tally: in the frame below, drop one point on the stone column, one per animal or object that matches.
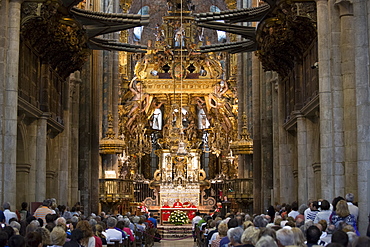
(361, 10)
(326, 104)
(23, 172)
(74, 123)
(41, 157)
(11, 103)
(32, 153)
(337, 98)
(313, 178)
(349, 99)
(286, 153)
(275, 161)
(302, 159)
(266, 138)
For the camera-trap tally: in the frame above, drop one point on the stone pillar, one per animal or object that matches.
(361, 10)
(313, 178)
(74, 112)
(326, 104)
(41, 157)
(337, 99)
(302, 159)
(11, 103)
(286, 153)
(23, 172)
(275, 160)
(32, 158)
(349, 99)
(257, 200)
(266, 139)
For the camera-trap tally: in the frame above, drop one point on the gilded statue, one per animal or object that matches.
(179, 166)
(139, 102)
(218, 102)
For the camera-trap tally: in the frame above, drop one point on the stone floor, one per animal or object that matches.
(189, 242)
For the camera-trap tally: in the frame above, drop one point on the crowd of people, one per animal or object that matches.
(318, 223)
(57, 226)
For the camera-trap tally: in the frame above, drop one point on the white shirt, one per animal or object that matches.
(195, 221)
(113, 234)
(353, 209)
(8, 215)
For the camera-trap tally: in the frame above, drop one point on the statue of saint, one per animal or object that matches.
(180, 166)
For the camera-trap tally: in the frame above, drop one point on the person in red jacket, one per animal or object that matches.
(191, 213)
(178, 204)
(165, 213)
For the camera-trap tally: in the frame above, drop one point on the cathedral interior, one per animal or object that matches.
(115, 103)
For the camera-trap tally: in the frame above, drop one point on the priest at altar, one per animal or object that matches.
(178, 204)
(191, 213)
(166, 213)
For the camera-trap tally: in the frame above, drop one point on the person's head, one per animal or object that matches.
(313, 234)
(266, 241)
(33, 239)
(58, 236)
(342, 209)
(234, 235)
(46, 203)
(6, 205)
(45, 235)
(340, 237)
(325, 205)
(166, 203)
(285, 237)
(314, 205)
(350, 197)
(120, 224)
(259, 221)
(50, 218)
(302, 208)
(17, 241)
(24, 205)
(298, 236)
(250, 235)
(222, 229)
(268, 231)
(3, 238)
(77, 235)
(295, 206)
(335, 202)
(136, 219)
(86, 228)
(362, 241)
(323, 225)
(9, 230)
(232, 223)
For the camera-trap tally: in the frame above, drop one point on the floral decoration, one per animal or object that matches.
(178, 218)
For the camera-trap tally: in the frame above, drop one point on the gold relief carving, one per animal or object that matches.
(125, 5)
(58, 40)
(231, 4)
(283, 39)
(124, 36)
(160, 86)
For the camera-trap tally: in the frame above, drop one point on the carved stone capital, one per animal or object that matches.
(345, 7)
